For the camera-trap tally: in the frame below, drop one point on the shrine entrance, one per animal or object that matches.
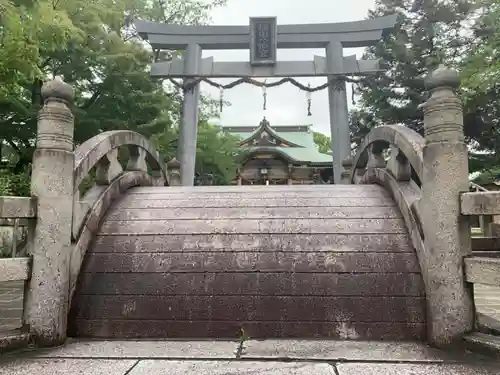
(263, 37)
(264, 181)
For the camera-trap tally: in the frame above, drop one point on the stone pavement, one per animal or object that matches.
(281, 357)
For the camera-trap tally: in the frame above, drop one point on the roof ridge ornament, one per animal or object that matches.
(264, 122)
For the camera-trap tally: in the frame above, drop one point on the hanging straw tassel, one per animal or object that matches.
(221, 98)
(264, 95)
(309, 100)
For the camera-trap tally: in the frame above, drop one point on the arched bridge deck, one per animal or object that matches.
(276, 261)
(386, 254)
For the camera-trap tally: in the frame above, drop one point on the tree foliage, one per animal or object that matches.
(481, 88)
(463, 34)
(323, 143)
(218, 154)
(94, 46)
(428, 32)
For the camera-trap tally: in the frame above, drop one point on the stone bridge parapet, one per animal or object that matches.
(426, 176)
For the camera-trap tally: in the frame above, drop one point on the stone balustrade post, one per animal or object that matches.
(46, 303)
(290, 175)
(139, 160)
(447, 234)
(174, 172)
(375, 160)
(238, 177)
(347, 164)
(108, 168)
(399, 165)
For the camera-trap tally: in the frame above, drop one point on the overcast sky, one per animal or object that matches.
(286, 105)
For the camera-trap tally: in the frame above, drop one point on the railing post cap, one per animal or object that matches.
(57, 89)
(442, 77)
(174, 164)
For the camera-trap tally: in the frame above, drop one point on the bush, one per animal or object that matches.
(15, 184)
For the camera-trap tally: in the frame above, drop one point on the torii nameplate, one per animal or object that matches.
(263, 41)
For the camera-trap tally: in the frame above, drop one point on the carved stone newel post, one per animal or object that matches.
(239, 178)
(347, 165)
(52, 184)
(174, 172)
(447, 237)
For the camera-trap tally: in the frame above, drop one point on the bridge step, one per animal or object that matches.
(483, 343)
(332, 262)
(264, 242)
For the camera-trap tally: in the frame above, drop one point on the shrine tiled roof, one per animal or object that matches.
(301, 155)
(298, 141)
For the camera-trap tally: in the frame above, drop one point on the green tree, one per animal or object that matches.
(29, 32)
(428, 32)
(360, 123)
(28, 29)
(93, 46)
(487, 176)
(481, 89)
(218, 153)
(323, 142)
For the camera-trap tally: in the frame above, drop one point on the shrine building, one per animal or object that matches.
(280, 155)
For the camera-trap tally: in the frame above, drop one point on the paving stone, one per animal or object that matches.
(144, 349)
(418, 369)
(65, 367)
(158, 367)
(342, 350)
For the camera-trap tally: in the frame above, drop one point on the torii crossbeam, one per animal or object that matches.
(316, 68)
(263, 37)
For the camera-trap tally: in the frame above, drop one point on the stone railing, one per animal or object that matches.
(15, 221)
(480, 268)
(482, 225)
(100, 155)
(65, 216)
(426, 176)
(485, 232)
(391, 156)
(16, 269)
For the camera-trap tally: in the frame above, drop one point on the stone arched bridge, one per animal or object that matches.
(386, 255)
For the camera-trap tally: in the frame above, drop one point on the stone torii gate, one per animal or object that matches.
(263, 37)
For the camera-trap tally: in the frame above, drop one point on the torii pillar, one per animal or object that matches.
(188, 131)
(339, 112)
